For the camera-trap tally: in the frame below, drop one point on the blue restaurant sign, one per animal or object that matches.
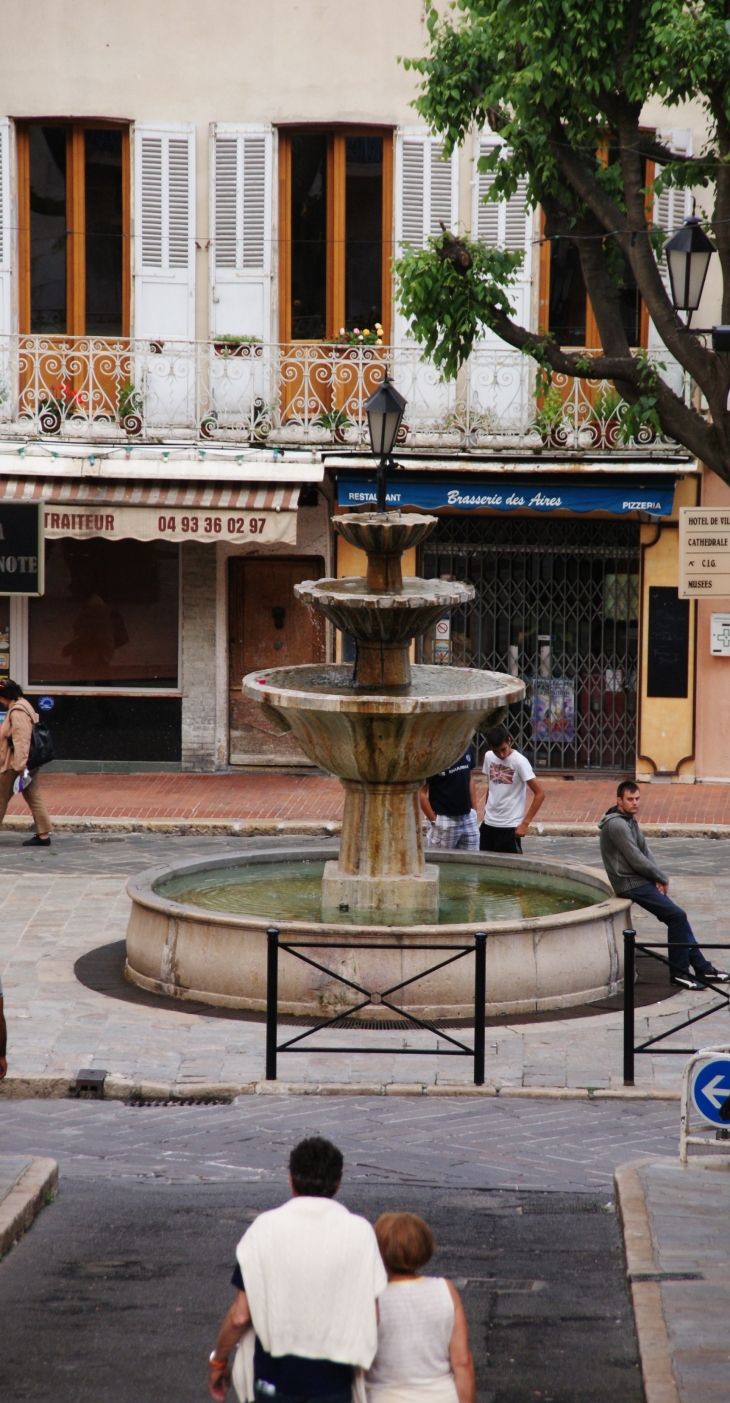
(405, 490)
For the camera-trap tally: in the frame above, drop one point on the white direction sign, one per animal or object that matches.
(711, 1088)
(704, 552)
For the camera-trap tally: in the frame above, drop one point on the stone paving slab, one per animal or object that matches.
(26, 1184)
(57, 906)
(676, 1222)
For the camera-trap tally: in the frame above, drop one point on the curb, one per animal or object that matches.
(317, 828)
(651, 1328)
(119, 1088)
(37, 1185)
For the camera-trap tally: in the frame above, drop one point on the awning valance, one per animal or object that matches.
(253, 514)
(405, 490)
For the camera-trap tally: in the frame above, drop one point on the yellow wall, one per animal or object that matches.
(351, 561)
(665, 743)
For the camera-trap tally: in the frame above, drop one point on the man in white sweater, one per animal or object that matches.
(308, 1276)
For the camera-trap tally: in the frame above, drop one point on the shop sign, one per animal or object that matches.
(21, 548)
(720, 635)
(172, 524)
(704, 552)
(405, 491)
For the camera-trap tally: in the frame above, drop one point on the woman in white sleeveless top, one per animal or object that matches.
(423, 1339)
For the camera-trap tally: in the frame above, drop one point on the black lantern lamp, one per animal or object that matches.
(384, 409)
(688, 254)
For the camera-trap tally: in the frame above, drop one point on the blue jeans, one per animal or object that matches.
(678, 928)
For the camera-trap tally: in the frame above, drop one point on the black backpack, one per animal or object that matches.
(42, 748)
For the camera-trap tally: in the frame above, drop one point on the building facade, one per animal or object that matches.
(197, 224)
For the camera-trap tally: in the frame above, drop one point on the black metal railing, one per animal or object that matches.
(378, 998)
(651, 948)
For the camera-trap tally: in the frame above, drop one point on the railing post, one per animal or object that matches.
(629, 976)
(272, 999)
(480, 999)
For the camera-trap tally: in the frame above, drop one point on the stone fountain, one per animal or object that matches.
(385, 724)
(198, 931)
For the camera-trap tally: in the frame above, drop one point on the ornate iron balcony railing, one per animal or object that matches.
(140, 389)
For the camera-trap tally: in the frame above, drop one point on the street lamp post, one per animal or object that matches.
(384, 409)
(688, 255)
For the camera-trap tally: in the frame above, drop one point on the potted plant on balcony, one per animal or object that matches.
(336, 421)
(228, 345)
(129, 408)
(550, 416)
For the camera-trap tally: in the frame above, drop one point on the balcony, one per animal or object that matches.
(162, 391)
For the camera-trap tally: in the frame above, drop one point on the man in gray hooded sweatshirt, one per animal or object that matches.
(633, 871)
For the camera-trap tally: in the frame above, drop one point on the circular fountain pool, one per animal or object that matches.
(198, 932)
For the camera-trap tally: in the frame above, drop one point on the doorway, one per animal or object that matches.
(268, 627)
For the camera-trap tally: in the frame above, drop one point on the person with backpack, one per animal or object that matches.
(16, 736)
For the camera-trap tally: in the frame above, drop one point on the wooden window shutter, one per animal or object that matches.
(671, 207)
(241, 224)
(6, 249)
(164, 227)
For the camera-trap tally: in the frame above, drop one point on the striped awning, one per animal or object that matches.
(200, 496)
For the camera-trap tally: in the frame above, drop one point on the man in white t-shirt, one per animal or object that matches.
(510, 775)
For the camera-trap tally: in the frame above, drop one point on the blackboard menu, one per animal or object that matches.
(667, 672)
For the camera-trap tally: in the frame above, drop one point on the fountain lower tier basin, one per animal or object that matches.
(198, 932)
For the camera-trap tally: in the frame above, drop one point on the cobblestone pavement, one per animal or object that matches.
(56, 906)
(280, 797)
(479, 1146)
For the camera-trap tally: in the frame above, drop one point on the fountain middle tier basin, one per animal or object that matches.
(383, 737)
(198, 931)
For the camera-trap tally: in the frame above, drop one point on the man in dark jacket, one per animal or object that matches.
(633, 871)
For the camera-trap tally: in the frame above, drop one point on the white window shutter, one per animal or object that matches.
(164, 230)
(6, 236)
(504, 224)
(671, 207)
(427, 188)
(241, 225)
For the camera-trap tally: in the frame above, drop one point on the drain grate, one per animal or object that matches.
(142, 1101)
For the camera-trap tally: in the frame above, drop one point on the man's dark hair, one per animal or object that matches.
(315, 1166)
(627, 786)
(10, 691)
(497, 735)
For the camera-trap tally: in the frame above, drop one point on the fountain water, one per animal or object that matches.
(382, 726)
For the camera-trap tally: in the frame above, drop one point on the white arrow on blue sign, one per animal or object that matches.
(711, 1088)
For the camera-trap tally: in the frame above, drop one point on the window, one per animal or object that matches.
(74, 225)
(109, 616)
(336, 216)
(565, 308)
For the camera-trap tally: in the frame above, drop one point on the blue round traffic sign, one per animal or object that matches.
(711, 1088)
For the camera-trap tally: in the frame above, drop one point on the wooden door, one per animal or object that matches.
(268, 627)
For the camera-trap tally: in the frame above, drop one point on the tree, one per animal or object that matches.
(564, 84)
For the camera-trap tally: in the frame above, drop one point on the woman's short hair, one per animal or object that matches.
(405, 1241)
(9, 690)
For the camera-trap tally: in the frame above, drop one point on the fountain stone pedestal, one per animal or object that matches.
(386, 724)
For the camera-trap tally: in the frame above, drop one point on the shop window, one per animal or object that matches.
(336, 215)
(109, 616)
(73, 197)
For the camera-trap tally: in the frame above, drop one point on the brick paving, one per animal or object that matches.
(283, 798)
